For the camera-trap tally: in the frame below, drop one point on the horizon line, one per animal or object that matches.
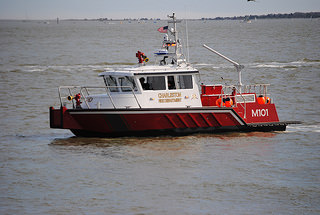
(145, 18)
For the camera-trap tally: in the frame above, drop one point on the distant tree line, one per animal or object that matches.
(270, 16)
(127, 19)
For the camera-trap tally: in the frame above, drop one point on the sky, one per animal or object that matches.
(119, 9)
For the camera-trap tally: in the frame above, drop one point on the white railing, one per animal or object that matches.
(70, 91)
(255, 88)
(245, 92)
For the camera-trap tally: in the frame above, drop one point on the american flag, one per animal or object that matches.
(163, 29)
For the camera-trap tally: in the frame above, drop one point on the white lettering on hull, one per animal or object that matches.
(260, 113)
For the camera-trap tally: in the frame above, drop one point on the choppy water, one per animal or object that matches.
(46, 171)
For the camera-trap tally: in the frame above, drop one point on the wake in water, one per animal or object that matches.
(286, 65)
(101, 66)
(304, 128)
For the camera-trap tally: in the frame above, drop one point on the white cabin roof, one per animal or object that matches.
(150, 70)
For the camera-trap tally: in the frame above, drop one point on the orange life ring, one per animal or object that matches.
(261, 100)
(227, 102)
(218, 102)
(268, 100)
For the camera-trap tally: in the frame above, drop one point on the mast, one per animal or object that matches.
(174, 32)
(171, 46)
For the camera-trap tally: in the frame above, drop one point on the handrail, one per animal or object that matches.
(242, 93)
(87, 94)
(85, 100)
(247, 88)
(237, 92)
(66, 87)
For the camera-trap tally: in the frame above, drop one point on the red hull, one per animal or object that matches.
(149, 122)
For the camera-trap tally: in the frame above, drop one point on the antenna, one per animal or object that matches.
(174, 32)
(187, 35)
(188, 55)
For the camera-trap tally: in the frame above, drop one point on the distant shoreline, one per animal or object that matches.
(296, 15)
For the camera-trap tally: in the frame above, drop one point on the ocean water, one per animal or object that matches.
(48, 171)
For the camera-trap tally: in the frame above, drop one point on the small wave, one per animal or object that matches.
(74, 67)
(286, 65)
(115, 63)
(310, 60)
(98, 70)
(290, 67)
(15, 70)
(28, 64)
(204, 66)
(303, 128)
(276, 65)
(268, 66)
(101, 66)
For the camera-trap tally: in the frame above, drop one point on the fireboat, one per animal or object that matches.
(164, 99)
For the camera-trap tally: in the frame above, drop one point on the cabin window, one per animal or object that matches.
(171, 83)
(185, 82)
(127, 84)
(111, 83)
(156, 82)
(144, 85)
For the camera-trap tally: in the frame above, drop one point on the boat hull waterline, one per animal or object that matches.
(154, 122)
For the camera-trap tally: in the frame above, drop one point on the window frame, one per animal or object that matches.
(184, 87)
(174, 86)
(111, 88)
(151, 85)
(132, 83)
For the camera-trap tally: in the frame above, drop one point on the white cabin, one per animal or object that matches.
(167, 86)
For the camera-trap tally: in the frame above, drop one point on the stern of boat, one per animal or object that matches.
(251, 102)
(61, 118)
